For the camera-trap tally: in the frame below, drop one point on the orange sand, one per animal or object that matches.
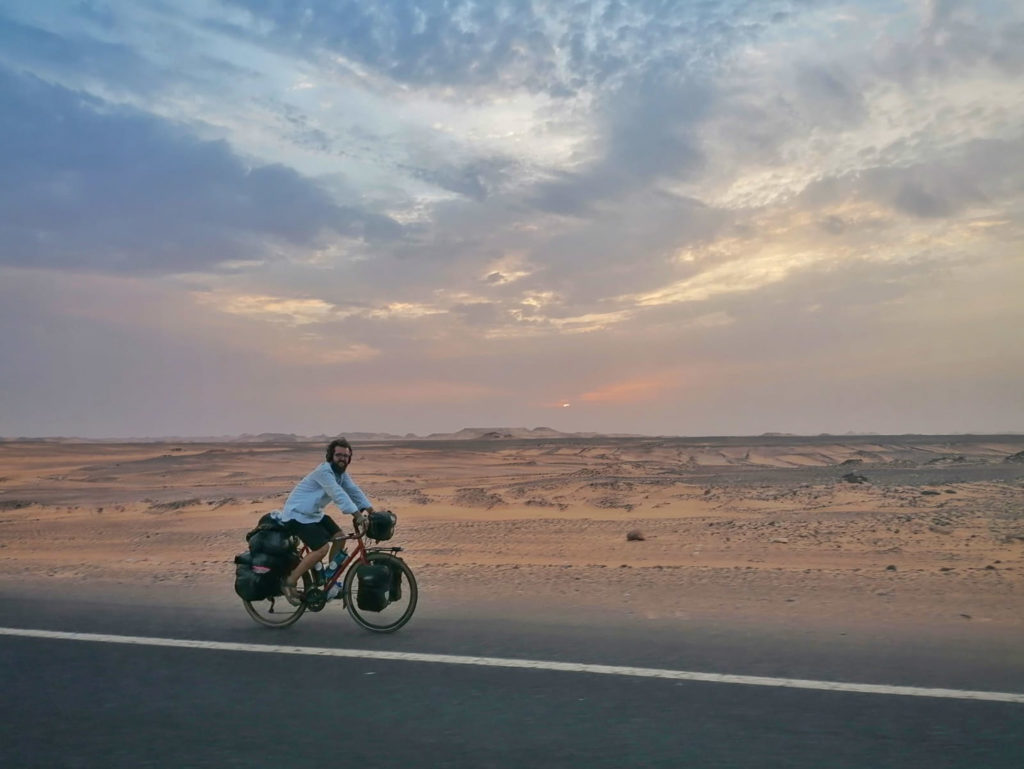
(733, 527)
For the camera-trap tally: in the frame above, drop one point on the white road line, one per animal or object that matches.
(499, 662)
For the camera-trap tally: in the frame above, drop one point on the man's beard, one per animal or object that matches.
(339, 468)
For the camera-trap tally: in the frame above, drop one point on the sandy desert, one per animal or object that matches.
(868, 530)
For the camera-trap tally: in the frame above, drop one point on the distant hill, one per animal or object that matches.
(505, 433)
(466, 433)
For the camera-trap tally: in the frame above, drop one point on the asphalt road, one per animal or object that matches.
(70, 704)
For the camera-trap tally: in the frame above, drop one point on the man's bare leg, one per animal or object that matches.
(305, 565)
(337, 545)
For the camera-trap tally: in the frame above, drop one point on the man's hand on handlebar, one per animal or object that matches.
(359, 521)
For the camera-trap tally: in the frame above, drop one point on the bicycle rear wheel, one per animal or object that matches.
(398, 611)
(277, 612)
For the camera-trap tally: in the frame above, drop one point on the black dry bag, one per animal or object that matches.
(374, 582)
(271, 542)
(381, 526)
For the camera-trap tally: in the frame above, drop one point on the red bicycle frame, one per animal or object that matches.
(358, 552)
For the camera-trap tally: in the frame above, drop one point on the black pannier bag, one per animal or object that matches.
(381, 526)
(271, 557)
(374, 585)
(254, 578)
(258, 575)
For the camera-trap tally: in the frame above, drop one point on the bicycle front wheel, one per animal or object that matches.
(278, 612)
(403, 596)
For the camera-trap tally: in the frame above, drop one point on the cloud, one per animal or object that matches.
(474, 179)
(644, 132)
(26, 46)
(423, 390)
(89, 185)
(627, 78)
(835, 96)
(559, 48)
(979, 173)
(293, 312)
(460, 43)
(955, 35)
(634, 390)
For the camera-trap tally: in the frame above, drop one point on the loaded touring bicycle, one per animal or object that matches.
(373, 583)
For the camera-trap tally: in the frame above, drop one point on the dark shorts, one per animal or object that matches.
(314, 535)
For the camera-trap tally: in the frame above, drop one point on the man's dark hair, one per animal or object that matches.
(335, 444)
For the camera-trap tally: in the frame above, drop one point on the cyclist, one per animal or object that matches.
(303, 512)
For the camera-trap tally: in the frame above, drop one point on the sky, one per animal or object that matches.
(650, 217)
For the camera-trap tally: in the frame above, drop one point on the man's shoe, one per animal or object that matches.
(290, 593)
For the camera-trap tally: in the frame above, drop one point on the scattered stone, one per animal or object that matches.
(959, 459)
(162, 507)
(477, 497)
(965, 616)
(14, 504)
(635, 535)
(930, 492)
(945, 568)
(1018, 457)
(940, 529)
(538, 502)
(781, 540)
(891, 567)
(854, 478)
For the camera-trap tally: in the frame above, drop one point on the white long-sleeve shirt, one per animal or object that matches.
(312, 494)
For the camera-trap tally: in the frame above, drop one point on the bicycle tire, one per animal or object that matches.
(264, 612)
(397, 613)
